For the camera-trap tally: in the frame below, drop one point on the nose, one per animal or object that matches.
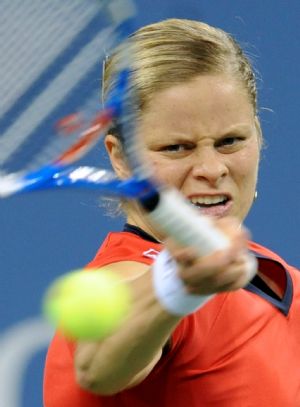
(209, 165)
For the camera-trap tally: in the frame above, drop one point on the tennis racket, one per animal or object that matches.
(42, 143)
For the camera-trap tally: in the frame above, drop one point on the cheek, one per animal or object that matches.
(167, 172)
(246, 168)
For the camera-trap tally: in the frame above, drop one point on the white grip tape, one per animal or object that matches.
(181, 221)
(186, 225)
(170, 290)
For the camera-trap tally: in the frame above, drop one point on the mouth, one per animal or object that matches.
(217, 205)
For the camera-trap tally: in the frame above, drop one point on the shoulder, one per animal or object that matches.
(263, 251)
(125, 247)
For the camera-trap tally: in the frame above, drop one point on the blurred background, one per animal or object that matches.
(45, 234)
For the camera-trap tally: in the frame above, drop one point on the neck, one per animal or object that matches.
(137, 217)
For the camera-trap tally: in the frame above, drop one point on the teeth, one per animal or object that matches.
(208, 200)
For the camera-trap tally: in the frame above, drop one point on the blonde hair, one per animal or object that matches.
(175, 51)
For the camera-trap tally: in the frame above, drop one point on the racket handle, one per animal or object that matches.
(181, 221)
(178, 219)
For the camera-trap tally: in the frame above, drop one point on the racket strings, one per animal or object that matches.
(54, 95)
(89, 138)
(33, 35)
(54, 53)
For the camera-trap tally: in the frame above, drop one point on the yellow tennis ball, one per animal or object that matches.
(87, 305)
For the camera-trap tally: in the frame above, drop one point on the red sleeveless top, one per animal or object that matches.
(242, 349)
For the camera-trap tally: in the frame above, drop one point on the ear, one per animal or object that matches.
(259, 132)
(115, 152)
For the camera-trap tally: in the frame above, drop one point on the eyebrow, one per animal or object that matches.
(240, 128)
(236, 129)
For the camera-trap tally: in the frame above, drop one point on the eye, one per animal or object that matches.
(177, 148)
(230, 141)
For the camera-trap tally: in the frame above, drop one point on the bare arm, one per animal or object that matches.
(128, 356)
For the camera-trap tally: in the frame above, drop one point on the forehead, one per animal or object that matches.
(207, 104)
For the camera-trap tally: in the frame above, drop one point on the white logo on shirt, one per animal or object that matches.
(151, 253)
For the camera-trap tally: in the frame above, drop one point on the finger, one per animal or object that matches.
(185, 257)
(239, 274)
(206, 267)
(235, 276)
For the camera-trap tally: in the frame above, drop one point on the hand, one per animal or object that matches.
(223, 270)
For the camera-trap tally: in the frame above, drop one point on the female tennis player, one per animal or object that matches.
(203, 331)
